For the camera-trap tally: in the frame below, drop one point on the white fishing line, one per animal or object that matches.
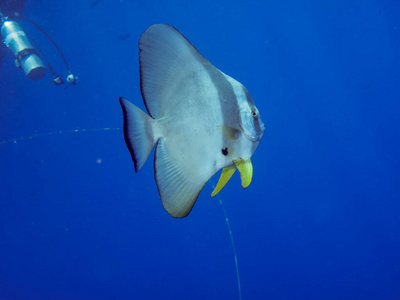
(232, 243)
(36, 135)
(81, 130)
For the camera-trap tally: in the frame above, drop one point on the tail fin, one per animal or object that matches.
(138, 132)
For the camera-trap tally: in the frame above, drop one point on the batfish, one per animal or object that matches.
(200, 119)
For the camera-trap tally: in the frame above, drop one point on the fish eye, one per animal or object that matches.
(254, 114)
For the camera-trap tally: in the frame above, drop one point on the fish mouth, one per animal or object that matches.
(254, 138)
(254, 135)
(245, 168)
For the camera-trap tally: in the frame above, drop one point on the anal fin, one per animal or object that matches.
(178, 188)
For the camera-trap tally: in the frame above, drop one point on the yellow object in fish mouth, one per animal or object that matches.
(246, 174)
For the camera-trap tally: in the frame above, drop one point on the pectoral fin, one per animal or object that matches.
(246, 171)
(230, 133)
(226, 174)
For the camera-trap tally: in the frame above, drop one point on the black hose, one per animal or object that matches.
(51, 40)
(42, 55)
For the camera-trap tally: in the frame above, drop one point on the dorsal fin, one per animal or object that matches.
(166, 57)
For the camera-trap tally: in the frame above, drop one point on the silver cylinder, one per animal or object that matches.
(17, 41)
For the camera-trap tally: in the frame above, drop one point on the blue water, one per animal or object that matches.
(320, 219)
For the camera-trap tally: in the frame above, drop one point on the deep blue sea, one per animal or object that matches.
(320, 219)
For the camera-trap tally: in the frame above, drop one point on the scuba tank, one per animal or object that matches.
(26, 57)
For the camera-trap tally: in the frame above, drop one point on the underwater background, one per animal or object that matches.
(320, 219)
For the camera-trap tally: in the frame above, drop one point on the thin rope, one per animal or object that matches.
(36, 135)
(232, 243)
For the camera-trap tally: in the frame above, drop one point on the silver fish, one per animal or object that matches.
(201, 119)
